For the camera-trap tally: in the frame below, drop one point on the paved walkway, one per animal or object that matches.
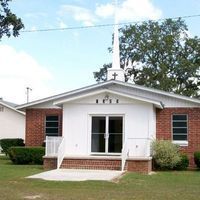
(77, 175)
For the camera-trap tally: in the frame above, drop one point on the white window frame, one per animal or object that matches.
(179, 142)
(90, 132)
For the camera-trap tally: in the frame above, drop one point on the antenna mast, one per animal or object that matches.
(28, 89)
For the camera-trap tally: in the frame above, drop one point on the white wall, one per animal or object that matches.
(138, 123)
(12, 124)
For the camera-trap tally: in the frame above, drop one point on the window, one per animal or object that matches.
(180, 127)
(1, 108)
(51, 125)
(107, 133)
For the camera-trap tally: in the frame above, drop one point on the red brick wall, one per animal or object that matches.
(164, 126)
(140, 166)
(35, 125)
(99, 164)
(49, 162)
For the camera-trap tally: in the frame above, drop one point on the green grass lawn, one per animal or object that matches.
(162, 185)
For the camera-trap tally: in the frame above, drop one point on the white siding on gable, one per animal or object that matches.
(100, 97)
(166, 100)
(12, 124)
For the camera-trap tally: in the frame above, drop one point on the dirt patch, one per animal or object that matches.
(14, 182)
(152, 173)
(33, 197)
(117, 179)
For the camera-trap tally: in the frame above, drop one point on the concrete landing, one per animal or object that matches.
(78, 175)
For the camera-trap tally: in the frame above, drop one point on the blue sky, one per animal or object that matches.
(58, 61)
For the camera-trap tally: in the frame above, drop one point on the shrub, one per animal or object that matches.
(7, 143)
(197, 158)
(183, 163)
(165, 154)
(27, 155)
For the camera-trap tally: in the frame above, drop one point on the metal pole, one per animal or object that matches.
(28, 89)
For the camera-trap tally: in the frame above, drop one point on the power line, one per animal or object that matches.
(105, 25)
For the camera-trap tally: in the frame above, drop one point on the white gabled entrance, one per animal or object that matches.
(106, 134)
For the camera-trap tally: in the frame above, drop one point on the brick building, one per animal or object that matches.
(110, 125)
(100, 125)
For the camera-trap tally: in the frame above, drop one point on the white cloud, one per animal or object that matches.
(33, 28)
(36, 15)
(19, 70)
(105, 11)
(61, 23)
(130, 10)
(79, 14)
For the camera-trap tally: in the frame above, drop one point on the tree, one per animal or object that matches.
(162, 56)
(10, 24)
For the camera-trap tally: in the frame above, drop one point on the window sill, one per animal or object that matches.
(181, 143)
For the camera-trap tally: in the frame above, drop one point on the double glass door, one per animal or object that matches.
(107, 134)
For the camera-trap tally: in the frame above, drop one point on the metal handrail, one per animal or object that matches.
(124, 155)
(61, 153)
(126, 150)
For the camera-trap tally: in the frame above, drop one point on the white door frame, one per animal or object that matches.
(107, 132)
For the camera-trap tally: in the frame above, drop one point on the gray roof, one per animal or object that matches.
(8, 103)
(104, 85)
(11, 106)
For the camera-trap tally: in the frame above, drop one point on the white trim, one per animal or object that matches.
(105, 84)
(106, 115)
(140, 158)
(62, 95)
(93, 157)
(182, 143)
(59, 102)
(12, 108)
(156, 103)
